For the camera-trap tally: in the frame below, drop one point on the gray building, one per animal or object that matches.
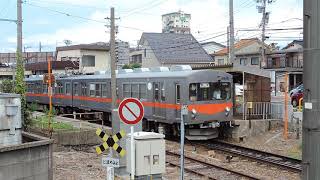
(166, 49)
(176, 22)
(123, 53)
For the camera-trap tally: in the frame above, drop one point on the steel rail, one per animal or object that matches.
(262, 156)
(207, 166)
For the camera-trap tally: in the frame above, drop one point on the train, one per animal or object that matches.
(162, 90)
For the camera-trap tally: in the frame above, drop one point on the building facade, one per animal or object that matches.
(176, 22)
(90, 57)
(247, 53)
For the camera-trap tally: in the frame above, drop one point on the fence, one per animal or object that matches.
(262, 110)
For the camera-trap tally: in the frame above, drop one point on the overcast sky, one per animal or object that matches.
(83, 21)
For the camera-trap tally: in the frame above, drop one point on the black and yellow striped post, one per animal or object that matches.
(110, 141)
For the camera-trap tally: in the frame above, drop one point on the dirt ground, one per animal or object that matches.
(85, 164)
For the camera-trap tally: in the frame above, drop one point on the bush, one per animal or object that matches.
(131, 66)
(7, 86)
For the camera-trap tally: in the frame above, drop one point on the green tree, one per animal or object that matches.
(20, 88)
(7, 86)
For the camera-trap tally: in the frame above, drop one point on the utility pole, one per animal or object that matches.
(113, 61)
(311, 81)
(263, 34)
(40, 46)
(265, 20)
(19, 34)
(231, 30)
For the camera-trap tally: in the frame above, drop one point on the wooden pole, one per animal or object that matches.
(285, 132)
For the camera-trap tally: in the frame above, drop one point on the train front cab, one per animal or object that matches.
(210, 107)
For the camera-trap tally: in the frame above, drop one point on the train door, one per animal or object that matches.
(159, 99)
(177, 99)
(156, 99)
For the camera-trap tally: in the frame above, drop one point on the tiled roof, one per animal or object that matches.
(175, 48)
(242, 43)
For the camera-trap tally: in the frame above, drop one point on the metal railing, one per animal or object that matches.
(263, 110)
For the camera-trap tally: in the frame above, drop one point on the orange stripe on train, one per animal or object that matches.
(208, 109)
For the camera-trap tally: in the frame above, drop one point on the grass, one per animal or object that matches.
(296, 152)
(43, 121)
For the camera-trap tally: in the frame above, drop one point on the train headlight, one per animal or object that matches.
(194, 113)
(227, 111)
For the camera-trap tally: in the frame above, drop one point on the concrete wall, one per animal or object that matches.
(10, 126)
(28, 161)
(243, 129)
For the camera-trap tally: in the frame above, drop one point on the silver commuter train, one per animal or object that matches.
(207, 93)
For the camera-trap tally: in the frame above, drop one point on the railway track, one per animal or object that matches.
(257, 155)
(205, 169)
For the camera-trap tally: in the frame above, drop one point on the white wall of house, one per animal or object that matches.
(149, 59)
(101, 59)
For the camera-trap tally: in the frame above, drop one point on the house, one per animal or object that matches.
(90, 57)
(212, 47)
(247, 53)
(166, 49)
(288, 60)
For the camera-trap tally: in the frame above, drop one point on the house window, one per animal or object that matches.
(255, 61)
(68, 88)
(274, 62)
(142, 91)
(145, 52)
(88, 61)
(220, 61)
(243, 61)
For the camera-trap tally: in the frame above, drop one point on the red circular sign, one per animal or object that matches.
(131, 111)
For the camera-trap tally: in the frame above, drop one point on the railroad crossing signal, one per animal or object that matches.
(46, 78)
(110, 141)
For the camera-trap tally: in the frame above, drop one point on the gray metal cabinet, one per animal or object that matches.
(149, 153)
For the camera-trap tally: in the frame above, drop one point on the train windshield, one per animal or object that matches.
(210, 91)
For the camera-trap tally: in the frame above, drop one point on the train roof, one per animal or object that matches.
(137, 73)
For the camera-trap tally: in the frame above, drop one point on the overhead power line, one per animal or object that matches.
(79, 17)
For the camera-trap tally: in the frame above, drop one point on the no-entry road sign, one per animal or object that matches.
(131, 111)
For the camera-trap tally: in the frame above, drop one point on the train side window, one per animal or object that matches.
(92, 89)
(60, 88)
(75, 89)
(178, 98)
(98, 90)
(45, 88)
(104, 90)
(83, 89)
(68, 88)
(163, 93)
(126, 90)
(135, 90)
(156, 92)
(142, 91)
